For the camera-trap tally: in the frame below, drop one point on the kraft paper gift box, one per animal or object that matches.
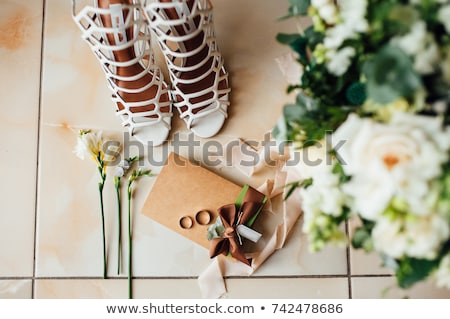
(183, 189)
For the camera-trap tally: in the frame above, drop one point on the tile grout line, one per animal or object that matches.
(38, 138)
(195, 277)
(349, 266)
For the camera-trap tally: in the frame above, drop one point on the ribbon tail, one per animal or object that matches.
(211, 282)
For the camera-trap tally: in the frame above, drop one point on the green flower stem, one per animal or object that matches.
(130, 246)
(119, 224)
(134, 176)
(101, 169)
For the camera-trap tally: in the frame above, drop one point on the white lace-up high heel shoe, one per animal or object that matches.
(119, 36)
(200, 88)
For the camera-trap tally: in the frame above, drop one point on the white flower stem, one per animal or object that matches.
(100, 188)
(119, 224)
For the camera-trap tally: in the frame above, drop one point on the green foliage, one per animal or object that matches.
(307, 119)
(294, 185)
(413, 270)
(297, 8)
(390, 75)
(362, 237)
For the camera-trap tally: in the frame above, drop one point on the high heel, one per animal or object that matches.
(118, 34)
(200, 88)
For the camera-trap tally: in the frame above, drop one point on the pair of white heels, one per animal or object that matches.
(119, 34)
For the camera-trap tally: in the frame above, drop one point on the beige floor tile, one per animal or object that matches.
(15, 289)
(289, 288)
(112, 289)
(363, 263)
(20, 47)
(80, 289)
(385, 287)
(296, 259)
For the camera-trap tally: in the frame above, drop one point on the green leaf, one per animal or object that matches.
(297, 8)
(286, 38)
(294, 112)
(280, 131)
(413, 270)
(390, 75)
(362, 239)
(292, 187)
(297, 43)
(301, 6)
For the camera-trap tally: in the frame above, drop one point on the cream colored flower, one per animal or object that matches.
(353, 13)
(413, 236)
(89, 144)
(442, 274)
(444, 17)
(384, 112)
(398, 159)
(326, 10)
(339, 61)
(324, 195)
(121, 169)
(421, 45)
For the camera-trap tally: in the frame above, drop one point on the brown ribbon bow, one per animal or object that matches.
(231, 218)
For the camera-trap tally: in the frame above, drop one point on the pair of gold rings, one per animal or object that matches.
(202, 217)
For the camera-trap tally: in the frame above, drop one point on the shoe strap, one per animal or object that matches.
(118, 24)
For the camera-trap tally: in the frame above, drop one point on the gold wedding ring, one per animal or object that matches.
(186, 222)
(203, 217)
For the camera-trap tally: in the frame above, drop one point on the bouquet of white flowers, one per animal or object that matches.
(375, 83)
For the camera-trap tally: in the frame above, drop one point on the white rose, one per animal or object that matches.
(386, 160)
(419, 237)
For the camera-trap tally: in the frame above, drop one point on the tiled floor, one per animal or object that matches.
(49, 225)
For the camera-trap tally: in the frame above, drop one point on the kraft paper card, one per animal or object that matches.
(181, 190)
